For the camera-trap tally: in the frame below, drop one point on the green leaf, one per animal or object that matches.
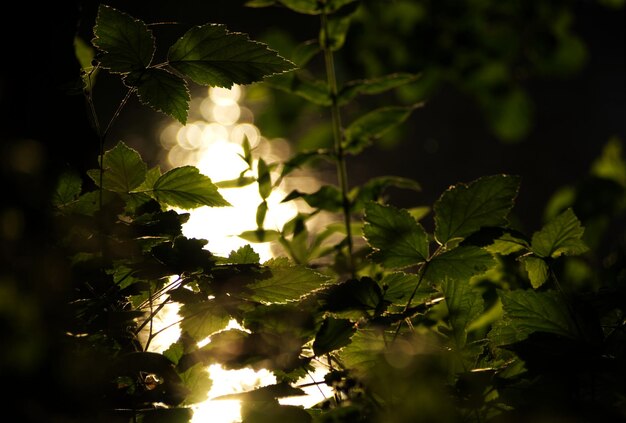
(272, 411)
(464, 304)
(211, 55)
(265, 393)
(151, 177)
(328, 198)
(197, 380)
(67, 189)
(399, 286)
(560, 236)
(397, 239)
(309, 7)
(186, 188)
(264, 180)
(166, 415)
(201, 320)
(127, 43)
(373, 125)
(530, 311)
(260, 3)
(611, 165)
(287, 283)
(537, 270)
(374, 85)
(244, 255)
(375, 187)
(161, 90)
(124, 170)
(261, 211)
(465, 208)
(333, 334)
(459, 264)
(362, 353)
(239, 182)
(302, 85)
(260, 235)
(304, 52)
(333, 36)
(507, 243)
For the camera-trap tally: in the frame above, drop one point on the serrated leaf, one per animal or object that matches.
(530, 311)
(374, 86)
(333, 334)
(187, 188)
(507, 244)
(152, 176)
(211, 55)
(163, 91)
(353, 294)
(197, 380)
(124, 169)
(362, 353)
(537, 270)
(201, 320)
(244, 255)
(127, 43)
(560, 236)
(373, 125)
(399, 286)
(465, 208)
(397, 239)
(288, 282)
(464, 304)
(67, 189)
(459, 264)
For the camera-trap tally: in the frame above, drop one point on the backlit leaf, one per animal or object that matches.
(465, 208)
(124, 169)
(362, 353)
(201, 320)
(373, 125)
(530, 311)
(560, 236)
(537, 270)
(288, 282)
(464, 304)
(67, 189)
(163, 91)
(313, 90)
(244, 255)
(398, 288)
(334, 334)
(459, 264)
(211, 55)
(374, 85)
(127, 43)
(187, 188)
(197, 380)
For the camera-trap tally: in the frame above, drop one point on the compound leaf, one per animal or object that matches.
(187, 188)
(163, 91)
(124, 169)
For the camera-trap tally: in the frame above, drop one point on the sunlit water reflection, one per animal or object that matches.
(213, 143)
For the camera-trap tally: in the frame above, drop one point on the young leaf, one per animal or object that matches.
(211, 55)
(459, 264)
(260, 235)
(187, 188)
(261, 211)
(264, 180)
(561, 236)
(313, 90)
(161, 90)
(127, 43)
(537, 270)
(244, 255)
(333, 36)
(374, 188)
(201, 320)
(398, 240)
(374, 85)
(124, 169)
(287, 283)
(334, 334)
(373, 125)
(465, 208)
(326, 198)
(151, 177)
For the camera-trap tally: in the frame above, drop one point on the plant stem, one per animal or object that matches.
(342, 173)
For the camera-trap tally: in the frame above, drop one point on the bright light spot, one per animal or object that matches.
(224, 96)
(227, 114)
(215, 146)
